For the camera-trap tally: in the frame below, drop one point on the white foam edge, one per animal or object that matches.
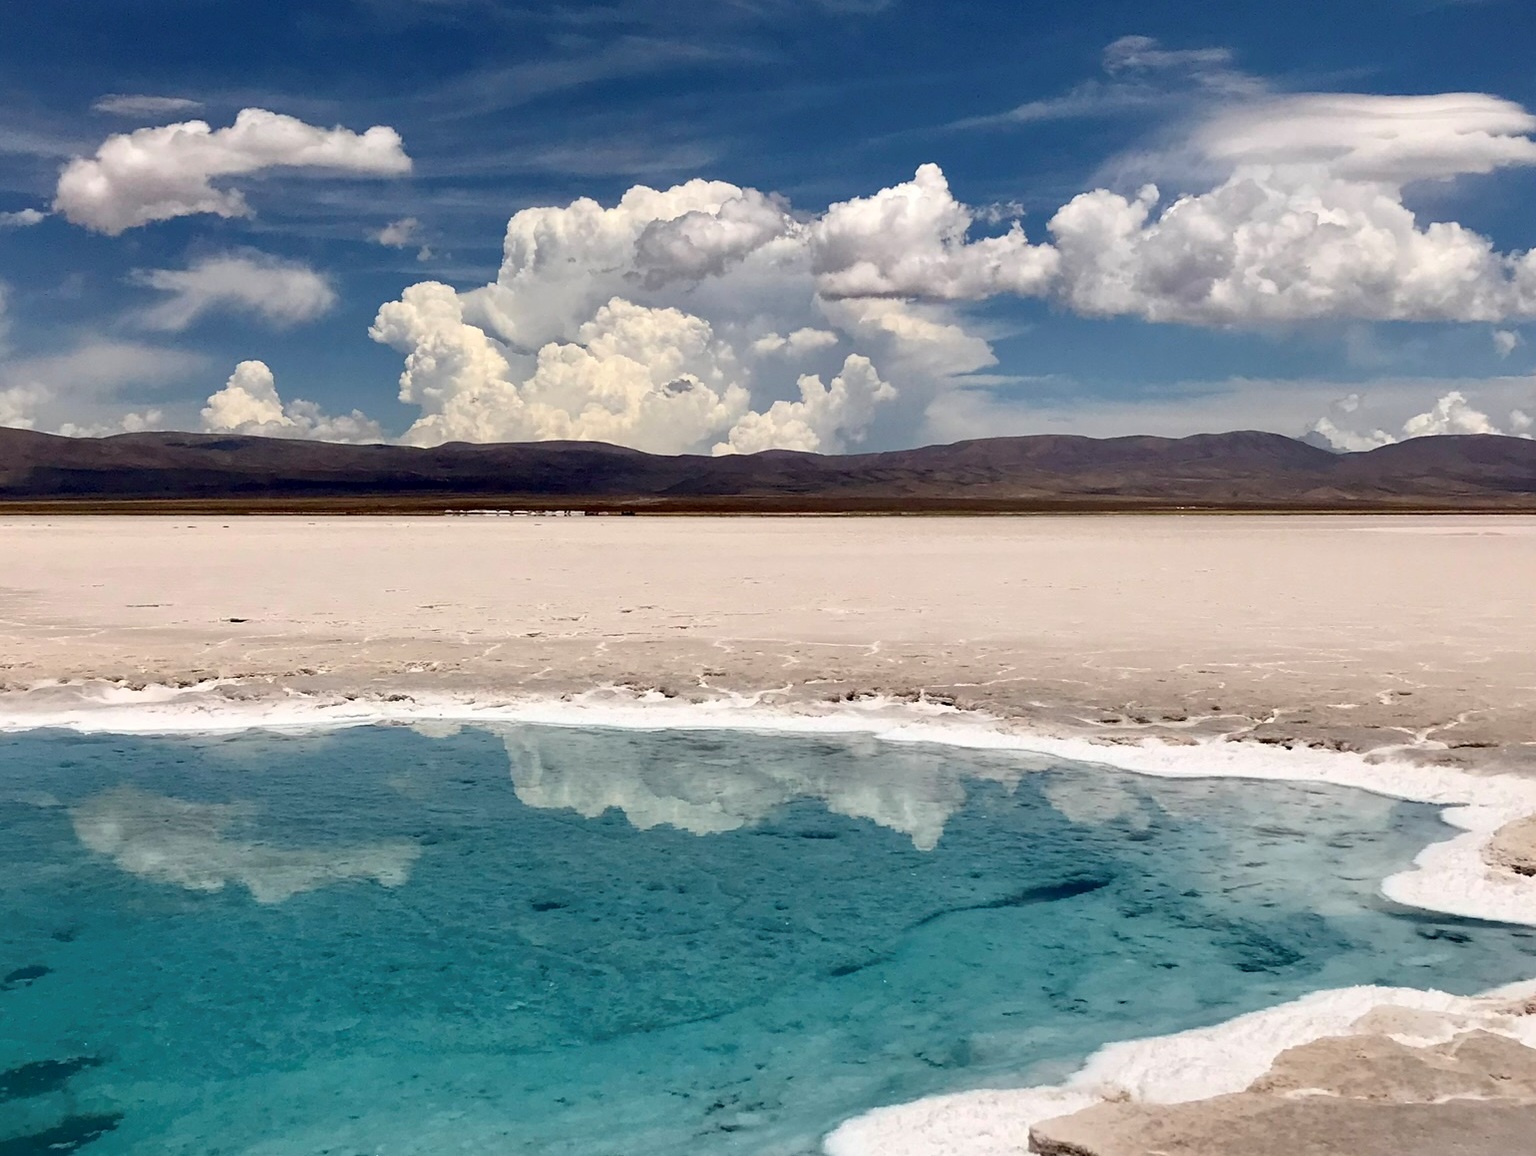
(1187, 1066)
(1449, 877)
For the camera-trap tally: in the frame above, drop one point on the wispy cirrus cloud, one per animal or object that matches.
(281, 293)
(1143, 54)
(1140, 74)
(143, 105)
(16, 139)
(79, 388)
(629, 56)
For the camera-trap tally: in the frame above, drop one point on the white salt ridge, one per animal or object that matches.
(1449, 877)
(1193, 1065)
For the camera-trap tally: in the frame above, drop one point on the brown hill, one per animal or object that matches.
(1244, 470)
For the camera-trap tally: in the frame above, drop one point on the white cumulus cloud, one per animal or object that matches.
(18, 406)
(156, 174)
(927, 340)
(22, 219)
(1451, 413)
(910, 240)
(250, 404)
(132, 422)
(796, 344)
(279, 292)
(818, 420)
(1331, 435)
(1270, 246)
(249, 398)
(560, 263)
(655, 379)
(1304, 220)
(1308, 221)
(701, 243)
(398, 234)
(660, 323)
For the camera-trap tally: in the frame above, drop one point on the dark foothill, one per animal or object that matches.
(1239, 470)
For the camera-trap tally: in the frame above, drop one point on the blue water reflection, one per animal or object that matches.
(380, 942)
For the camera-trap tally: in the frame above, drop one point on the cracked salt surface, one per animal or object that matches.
(511, 937)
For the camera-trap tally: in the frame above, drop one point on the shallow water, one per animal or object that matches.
(379, 941)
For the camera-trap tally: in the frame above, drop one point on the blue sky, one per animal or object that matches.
(1348, 254)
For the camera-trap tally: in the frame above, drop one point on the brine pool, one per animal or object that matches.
(387, 941)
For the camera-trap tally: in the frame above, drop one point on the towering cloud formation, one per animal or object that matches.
(817, 421)
(1452, 414)
(703, 242)
(1310, 223)
(249, 404)
(658, 323)
(651, 378)
(155, 174)
(249, 399)
(911, 241)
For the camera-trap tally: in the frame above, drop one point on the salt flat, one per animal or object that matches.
(1356, 631)
(1409, 637)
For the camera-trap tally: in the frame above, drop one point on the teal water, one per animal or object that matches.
(377, 942)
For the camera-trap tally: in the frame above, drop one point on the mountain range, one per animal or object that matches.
(1229, 471)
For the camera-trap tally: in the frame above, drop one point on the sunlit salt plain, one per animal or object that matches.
(538, 939)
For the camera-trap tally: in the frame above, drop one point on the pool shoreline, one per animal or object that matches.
(1391, 654)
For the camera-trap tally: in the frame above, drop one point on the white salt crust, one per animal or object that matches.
(1449, 877)
(1175, 1069)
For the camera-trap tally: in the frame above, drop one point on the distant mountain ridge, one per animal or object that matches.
(1241, 470)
